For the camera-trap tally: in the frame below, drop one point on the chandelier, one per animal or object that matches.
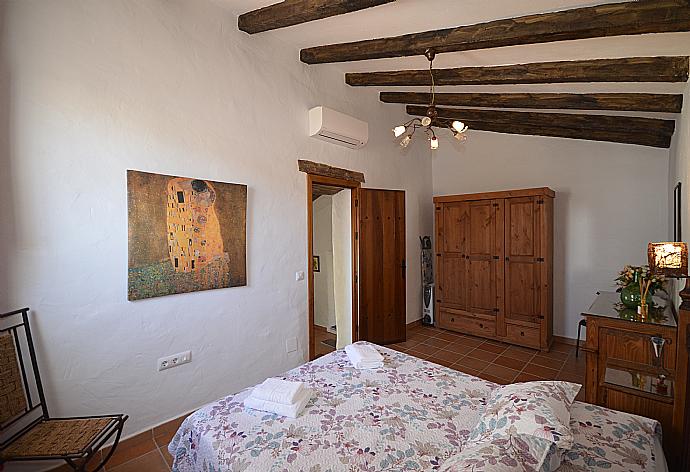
(407, 130)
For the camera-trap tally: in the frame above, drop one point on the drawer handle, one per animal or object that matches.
(658, 343)
(481, 325)
(522, 333)
(452, 320)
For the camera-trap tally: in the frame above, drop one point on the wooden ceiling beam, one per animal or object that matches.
(294, 12)
(639, 17)
(620, 129)
(648, 102)
(628, 69)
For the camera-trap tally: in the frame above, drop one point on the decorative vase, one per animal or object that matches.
(630, 295)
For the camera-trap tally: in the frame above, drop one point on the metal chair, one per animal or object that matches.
(28, 433)
(579, 327)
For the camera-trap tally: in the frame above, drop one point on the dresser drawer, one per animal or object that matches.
(637, 348)
(466, 323)
(523, 335)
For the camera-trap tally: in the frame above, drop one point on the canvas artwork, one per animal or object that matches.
(185, 234)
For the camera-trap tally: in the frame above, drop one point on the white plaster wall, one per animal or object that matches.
(324, 304)
(91, 89)
(342, 265)
(611, 200)
(679, 167)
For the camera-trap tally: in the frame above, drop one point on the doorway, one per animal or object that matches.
(332, 221)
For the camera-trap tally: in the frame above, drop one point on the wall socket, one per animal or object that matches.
(173, 361)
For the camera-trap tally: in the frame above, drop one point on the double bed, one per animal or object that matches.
(409, 415)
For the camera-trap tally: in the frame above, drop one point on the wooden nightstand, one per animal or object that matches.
(631, 361)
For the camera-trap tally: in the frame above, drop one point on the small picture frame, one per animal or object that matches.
(316, 262)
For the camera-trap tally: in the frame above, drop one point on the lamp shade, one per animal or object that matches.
(670, 259)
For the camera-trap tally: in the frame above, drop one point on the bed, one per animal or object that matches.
(409, 415)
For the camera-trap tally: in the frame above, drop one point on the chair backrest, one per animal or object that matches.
(22, 401)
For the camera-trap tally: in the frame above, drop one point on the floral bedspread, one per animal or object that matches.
(409, 415)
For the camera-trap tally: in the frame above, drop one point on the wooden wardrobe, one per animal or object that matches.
(494, 265)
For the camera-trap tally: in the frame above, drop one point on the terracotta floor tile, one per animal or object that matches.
(418, 337)
(150, 462)
(436, 342)
(131, 448)
(448, 336)
(562, 347)
(520, 353)
(525, 377)
(570, 377)
(507, 361)
(492, 347)
(469, 341)
(463, 349)
(483, 355)
(417, 354)
(425, 348)
(443, 362)
(448, 355)
(166, 455)
(471, 363)
(501, 372)
(466, 370)
(543, 372)
(409, 344)
(555, 355)
(546, 361)
(164, 433)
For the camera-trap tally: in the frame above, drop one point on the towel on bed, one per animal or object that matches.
(291, 411)
(278, 391)
(364, 356)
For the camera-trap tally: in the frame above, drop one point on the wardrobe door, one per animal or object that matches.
(523, 267)
(483, 246)
(453, 288)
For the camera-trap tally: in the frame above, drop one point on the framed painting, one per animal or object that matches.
(184, 235)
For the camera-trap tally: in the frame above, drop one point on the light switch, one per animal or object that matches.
(299, 275)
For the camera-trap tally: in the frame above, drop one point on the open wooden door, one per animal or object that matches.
(382, 318)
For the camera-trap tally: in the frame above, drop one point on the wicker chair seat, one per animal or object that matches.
(58, 437)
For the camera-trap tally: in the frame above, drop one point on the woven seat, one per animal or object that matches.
(58, 438)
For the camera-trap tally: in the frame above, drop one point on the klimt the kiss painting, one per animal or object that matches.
(185, 234)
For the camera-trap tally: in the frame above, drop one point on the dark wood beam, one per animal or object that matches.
(629, 69)
(294, 12)
(640, 17)
(652, 102)
(620, 129)
(324, 170)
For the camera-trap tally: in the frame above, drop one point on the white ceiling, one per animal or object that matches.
(408, 16)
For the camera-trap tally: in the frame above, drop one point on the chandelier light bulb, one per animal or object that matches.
(426, 121)
(434, 143)
(459, 126)
(398, 131)
(406, 140)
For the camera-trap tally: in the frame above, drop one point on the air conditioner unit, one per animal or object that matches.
(337, 128)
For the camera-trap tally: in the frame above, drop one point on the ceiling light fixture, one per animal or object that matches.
(458, 128)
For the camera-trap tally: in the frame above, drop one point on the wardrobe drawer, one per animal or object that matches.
(523, 335)
(467, 323)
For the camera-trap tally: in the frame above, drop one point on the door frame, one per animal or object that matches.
(354, 188)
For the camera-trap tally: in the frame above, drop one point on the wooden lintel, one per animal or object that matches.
(628, 69)
(612, 19)
(294, 12)
(621, 129)
(324, 170)
(648, 102)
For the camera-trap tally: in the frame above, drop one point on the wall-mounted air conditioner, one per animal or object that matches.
(337, 128)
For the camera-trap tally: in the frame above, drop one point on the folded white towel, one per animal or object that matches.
(278, 391)
(364, 356)
(291, 411)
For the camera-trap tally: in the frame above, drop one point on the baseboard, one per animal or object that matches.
(412, 324)
(568, 341)
(323, 329)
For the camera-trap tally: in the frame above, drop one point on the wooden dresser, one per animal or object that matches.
(494, 265)
(625, 370)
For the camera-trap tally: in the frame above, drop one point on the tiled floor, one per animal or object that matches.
(492, 360)
(320, 334)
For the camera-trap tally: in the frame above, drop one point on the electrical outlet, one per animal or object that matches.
(299, 276)
(291, 345)
(173, 361)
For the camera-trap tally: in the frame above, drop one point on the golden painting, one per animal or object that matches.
(185, 234)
